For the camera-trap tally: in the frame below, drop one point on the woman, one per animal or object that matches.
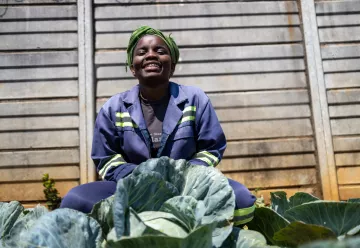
(155, 118)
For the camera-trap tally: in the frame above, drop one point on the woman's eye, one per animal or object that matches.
(141, 52)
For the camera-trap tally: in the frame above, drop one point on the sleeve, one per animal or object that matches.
(211, 141)
(106, 151)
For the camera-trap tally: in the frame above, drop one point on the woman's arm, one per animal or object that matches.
(106, 151)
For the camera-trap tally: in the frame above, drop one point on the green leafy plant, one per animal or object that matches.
(51, 193)
(304, 218)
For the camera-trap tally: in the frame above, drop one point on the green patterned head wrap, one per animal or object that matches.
(146, 30)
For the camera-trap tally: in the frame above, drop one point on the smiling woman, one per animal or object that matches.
(153, 119)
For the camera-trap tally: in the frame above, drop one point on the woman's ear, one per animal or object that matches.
(172, 69)
(132, 70)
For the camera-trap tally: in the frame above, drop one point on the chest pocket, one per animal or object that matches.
(184, 143)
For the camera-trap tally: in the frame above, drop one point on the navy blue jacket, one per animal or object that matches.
(191, 131)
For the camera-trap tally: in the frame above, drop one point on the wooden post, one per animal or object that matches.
(86, 89)
(320, 111)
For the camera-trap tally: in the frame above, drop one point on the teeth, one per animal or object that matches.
(152, 65)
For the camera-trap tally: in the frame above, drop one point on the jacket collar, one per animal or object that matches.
(173, 113)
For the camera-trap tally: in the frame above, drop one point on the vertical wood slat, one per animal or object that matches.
(319, 102)
(86, 89)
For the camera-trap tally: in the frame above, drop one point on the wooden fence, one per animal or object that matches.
(282, 75)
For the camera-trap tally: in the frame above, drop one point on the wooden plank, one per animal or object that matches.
(17, 2)
(38, 41)
(38, 58)
(338, 20)
(340, 51)
(39, 73)
(216, 53)
(246, 99)
(263, 113)
(275, 178)
(267, 162)
(342, 80)
(31, 191)
(44, 139)
(45, 157)
(265, 193)
(350, 110)
(341, 65)
(39, 123)
(347, 192)
(267, 129)
(129, 2)
(211, 37)
(25, 108)
(39, 26)
(36, 173)
(37, 12)
(199, 22)
(345, 126)
(343, 96)
(340, 34)
(346, 144)
(337, 7)
(196, 9)
(346, 159)
(279, 65)
(258, 147)
(261, 81)
(49, 89)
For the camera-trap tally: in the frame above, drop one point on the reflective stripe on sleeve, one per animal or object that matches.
(114, 162)
(207, 157)
(188, 114)
(243, 215)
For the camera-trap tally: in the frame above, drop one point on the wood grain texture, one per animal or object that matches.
(39, 123)
(52, 107)
(332, 7)
(349, 110)
(39, 73)
(341, 65)
(32, 191)
(339, 34)
(223, 83)
(38, 41)
(36, 12)
(347, 192)
(215, 53)
(267, 129)
(39, 26)
(347, 159)
(199, 22)
(342, 80)
(343, 96)
(338, 20)
(40, 157)
(257, 147)
(209, 37)
(17, 2)
(263, 113)
(49, 89)
(267, 162)
(345, 126)
(281, 65)
(275, 178)
(342, 144)
(43, 139)
(197, 9)
(38, 59)
(36, 173)
(340, 51)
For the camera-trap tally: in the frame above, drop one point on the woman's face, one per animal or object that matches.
(152, 61)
